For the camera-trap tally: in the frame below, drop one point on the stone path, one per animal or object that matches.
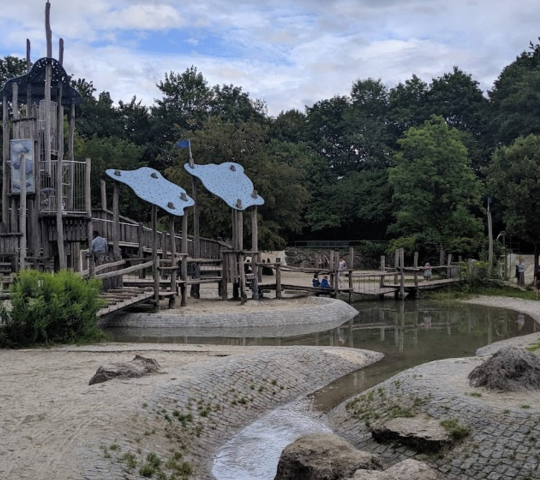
(189, 419)
(504, 441)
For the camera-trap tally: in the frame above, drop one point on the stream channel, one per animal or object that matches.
(408, 333)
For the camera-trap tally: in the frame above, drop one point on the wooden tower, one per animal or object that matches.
(46, 209)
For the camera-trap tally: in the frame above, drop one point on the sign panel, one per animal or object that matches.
(22, 148)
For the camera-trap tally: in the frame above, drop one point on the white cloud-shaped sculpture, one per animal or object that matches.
(228, 182)
(149, 185)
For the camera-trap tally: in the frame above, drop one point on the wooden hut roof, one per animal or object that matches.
(35, 78)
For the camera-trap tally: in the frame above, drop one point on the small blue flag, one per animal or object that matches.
(183, 144)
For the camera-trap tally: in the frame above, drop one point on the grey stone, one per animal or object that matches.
(323, 456)
(511, 369)
(137, 368)
(422, 433)
(406, 470)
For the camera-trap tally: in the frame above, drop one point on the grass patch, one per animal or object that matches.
(456, 430)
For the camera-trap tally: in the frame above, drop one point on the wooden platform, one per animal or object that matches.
(121, 298)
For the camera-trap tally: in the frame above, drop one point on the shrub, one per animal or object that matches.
(47, 308)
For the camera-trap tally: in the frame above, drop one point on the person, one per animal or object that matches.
(521, 272)
(324, 283)
(98, 248)
(247, 267)
(427, 272)
(342, 265)
(316, 282)
(267, 270)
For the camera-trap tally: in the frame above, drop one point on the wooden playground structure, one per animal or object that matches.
(48, 219)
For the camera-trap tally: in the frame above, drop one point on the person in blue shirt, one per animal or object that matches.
(316, 283)
(324, 283)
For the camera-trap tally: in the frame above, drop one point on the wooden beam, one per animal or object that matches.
(5, 159)
(116, 222)
(183, 270)
(172, 300)
(154, 256)
(22, 213)
(48, 31)
(60, 204)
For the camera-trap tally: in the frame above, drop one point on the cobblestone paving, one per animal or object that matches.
(504, 442)
(320, 311)
(189, 419)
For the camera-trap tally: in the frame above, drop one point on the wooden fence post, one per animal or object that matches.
(416, 269)
(278, 277)
(402, 272)
(174, 286)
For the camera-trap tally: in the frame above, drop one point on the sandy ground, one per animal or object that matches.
(47, 404)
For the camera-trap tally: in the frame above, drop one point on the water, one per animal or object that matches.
(408, 333)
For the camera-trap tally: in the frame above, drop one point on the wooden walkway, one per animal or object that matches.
(120, 298)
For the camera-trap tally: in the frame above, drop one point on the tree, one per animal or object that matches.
(11, 67)
(407, 104)
(514, 180)
(514, 98)
(435, 189)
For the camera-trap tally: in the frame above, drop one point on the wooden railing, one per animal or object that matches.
(136, 235)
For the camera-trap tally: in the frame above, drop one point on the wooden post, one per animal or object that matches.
(396, 265)
(61, 51)
(278, 277)
(48, 32)
(449, 266)
(383, 270)
(351, 257)
(172, 300)
(196, 289)
(490, 242)
(71, 156)
(155, 270)
(47, 113)
(183, 270)
(22, 212)
(140, 239)
(88, 207)
(224, 274)
(103, 189)
(5, 159)
(60, 205)
(28, 89)
(402, 272)
(415, 269)
(256, 257)
(116, 223)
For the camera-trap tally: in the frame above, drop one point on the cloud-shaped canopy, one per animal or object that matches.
(153, 188)
(228, 182)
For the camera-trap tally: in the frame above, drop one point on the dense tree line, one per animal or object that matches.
(412, 164)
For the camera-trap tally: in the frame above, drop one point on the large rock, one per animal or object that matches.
(511, 369)
(138, 367)
(407, 470)
(323, 456)
(421, 433)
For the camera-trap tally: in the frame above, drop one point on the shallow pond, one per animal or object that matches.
(408, 333)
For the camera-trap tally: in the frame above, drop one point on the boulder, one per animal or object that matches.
(511, 369)
(421, 433)
(138, 367)
(323, 456)
(406, 470)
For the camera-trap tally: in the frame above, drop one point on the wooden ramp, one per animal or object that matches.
(121, 298)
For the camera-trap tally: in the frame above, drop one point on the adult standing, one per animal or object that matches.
(98, 248)
(521, 272)
(342, 265)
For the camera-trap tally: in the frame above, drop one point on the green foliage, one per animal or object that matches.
(435, 189)
(514, 180)
(456, 430)
(50, 308)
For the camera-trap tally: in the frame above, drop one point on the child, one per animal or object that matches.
(427, 272)
(316, 283)
(324, 283)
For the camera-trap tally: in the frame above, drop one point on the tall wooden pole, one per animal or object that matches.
(490, 239)
(116, 222)
(5, 160)
(60, 204)
(172, 234)
(256, 256)
(155, 269)
(183, 270)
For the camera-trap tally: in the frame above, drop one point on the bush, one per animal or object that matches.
(47, 308)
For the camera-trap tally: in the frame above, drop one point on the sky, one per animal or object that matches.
(290, 54)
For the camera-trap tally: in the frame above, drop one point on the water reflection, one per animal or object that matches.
(409, 332)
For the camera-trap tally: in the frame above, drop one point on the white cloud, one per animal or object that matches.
(287, 53)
